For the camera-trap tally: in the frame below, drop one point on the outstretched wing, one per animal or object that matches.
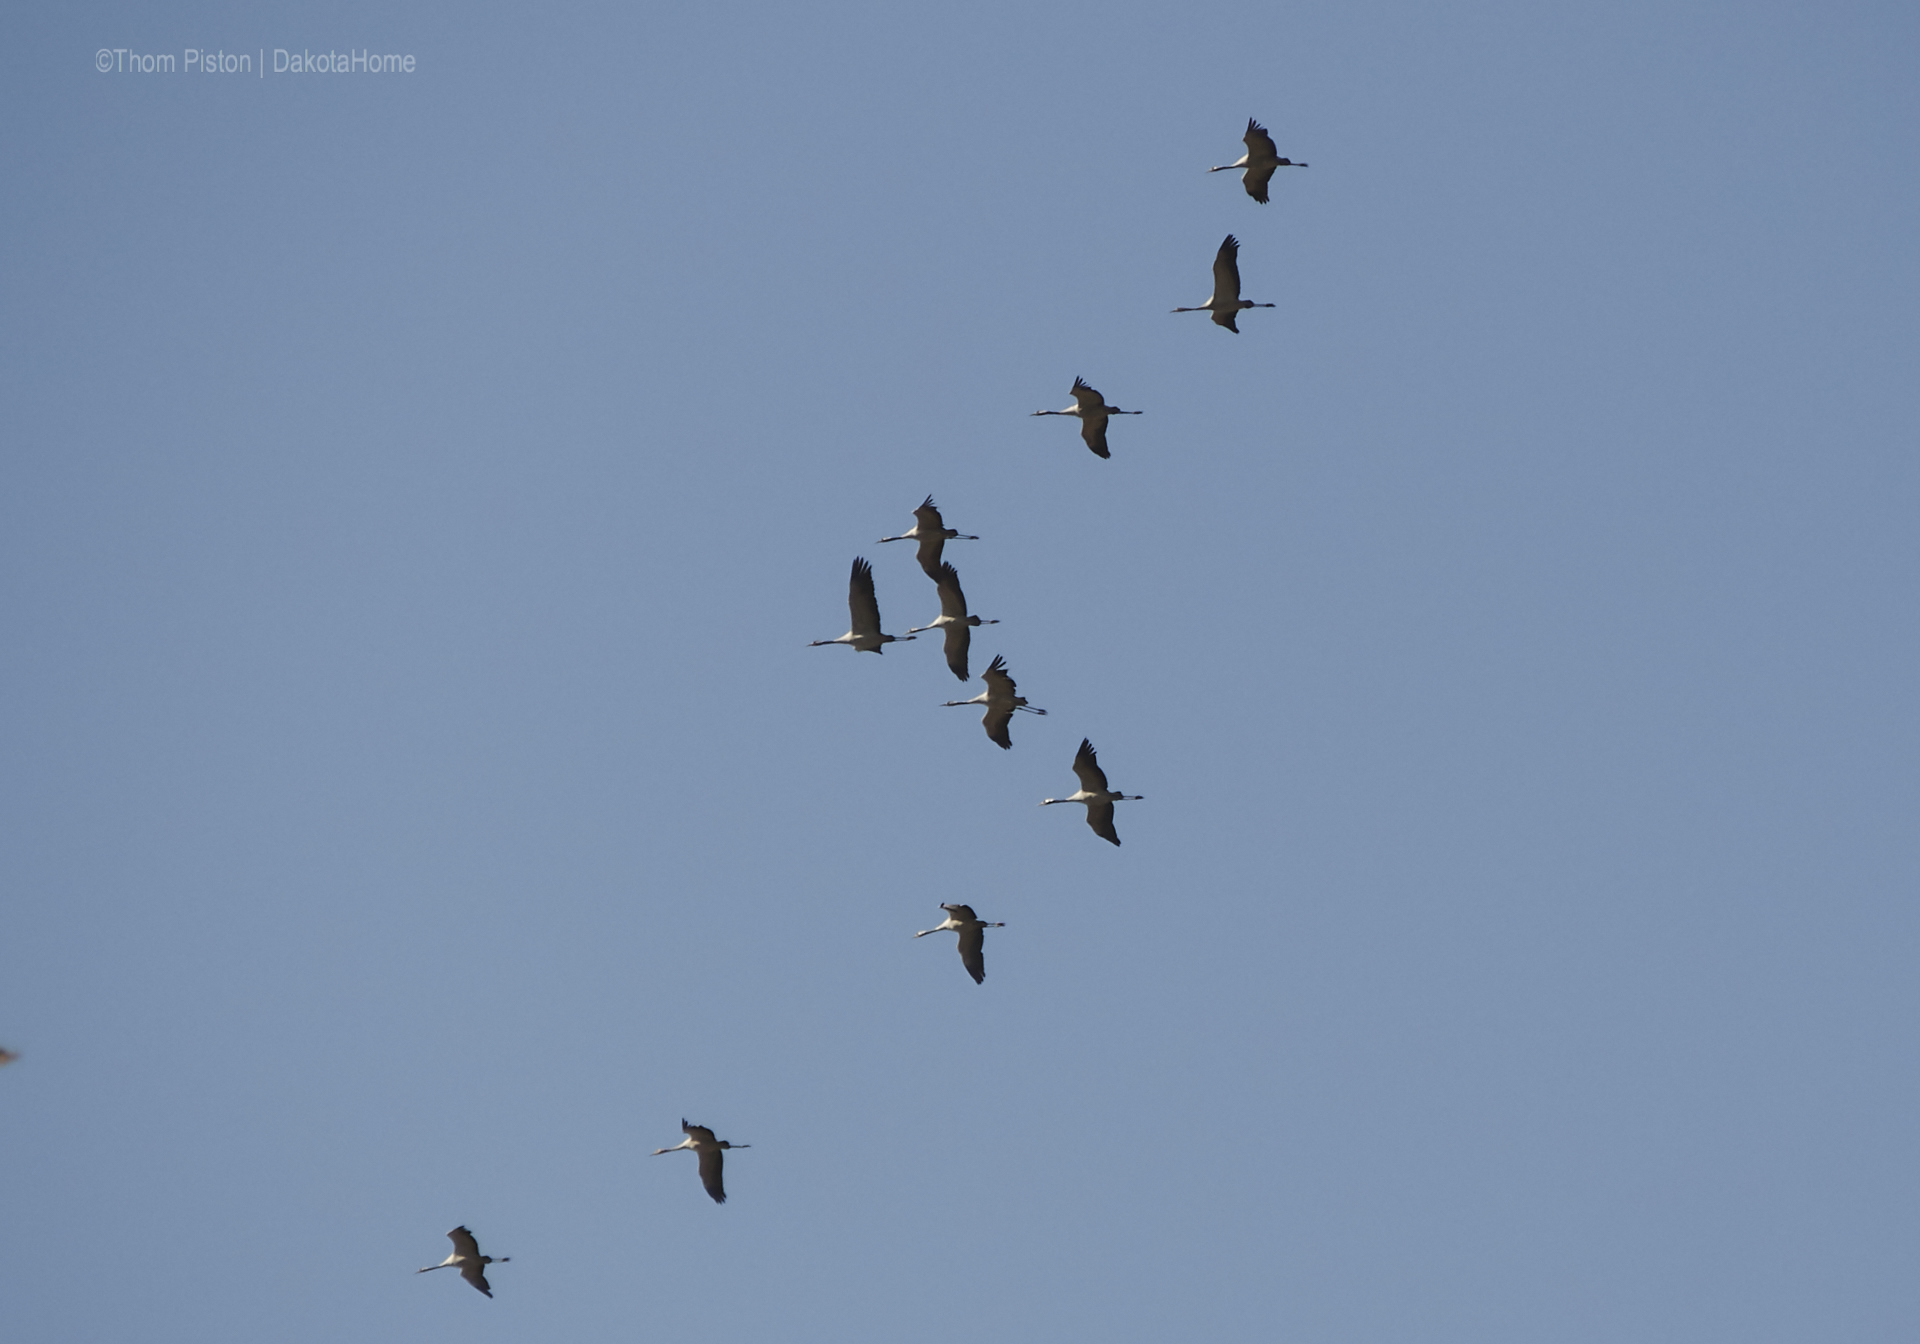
(931, 546)
(475, 1273)
(961, 912)
(861, 603)
(464, 1245)
(959, 640)
(1093, 431)
(698, 1133)
(1085, 397)
(1000, 684)
(1086, 764)
(1226, 278)
(1262, 159)
(953, 602)
(927, 517)
(996, 721)
(1100, 817)
(710, 1163)
(971, 939)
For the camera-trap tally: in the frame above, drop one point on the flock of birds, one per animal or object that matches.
(1000, 699)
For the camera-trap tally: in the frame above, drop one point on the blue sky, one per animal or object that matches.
(419, 493)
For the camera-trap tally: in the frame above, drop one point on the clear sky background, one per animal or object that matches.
(419, 492)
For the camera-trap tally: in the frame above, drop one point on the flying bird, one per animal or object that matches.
(701, 1140)
(7, 1056)
(933, 534)
(467, 1259)
(865, 637)
(954, 620)
(1093, 791)
(1092, 410)
(1000, 700)
(1260, 160)
(1226, 302)
(973, 933)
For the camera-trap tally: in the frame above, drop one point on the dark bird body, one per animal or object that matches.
(954, 620)
(933, 534)
(711, 1150)
(864, 608)
(1260, 161)
(1094, 793)
(1226, 303)
(467, 1259)
(1092, 410)
(973, 937)
(1000, 700)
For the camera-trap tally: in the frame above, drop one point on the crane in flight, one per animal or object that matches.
(953, 619)
(1093, 791)
(865, 637)
(701, 1140)
(1260, 161)
(1226, 302)
(1000, 700)
(973, 933)
(1092, 410)
(933, 534)
(467, 1259)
